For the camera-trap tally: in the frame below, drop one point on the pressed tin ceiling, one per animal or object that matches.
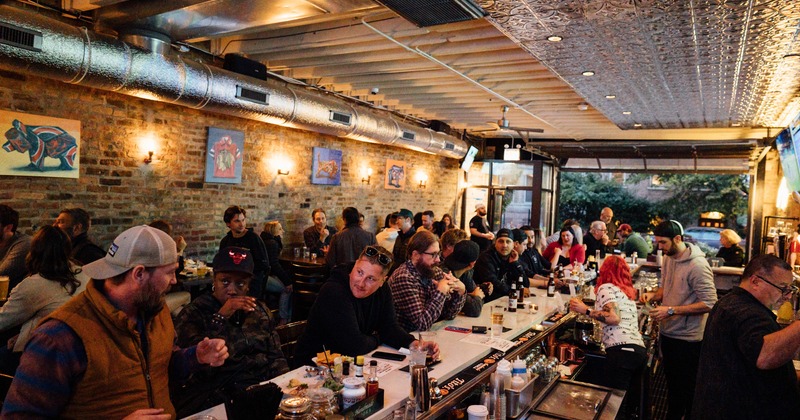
(687, 71)
(670, 63)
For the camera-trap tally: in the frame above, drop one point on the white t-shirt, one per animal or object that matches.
(627, 331)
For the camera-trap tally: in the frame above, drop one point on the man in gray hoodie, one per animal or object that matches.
(687, 294)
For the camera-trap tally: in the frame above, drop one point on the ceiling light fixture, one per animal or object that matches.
(583, 106)
(637, 125)
(554, 38)
(588, 73)
(611, 96)
(626, 113)
(736, 124)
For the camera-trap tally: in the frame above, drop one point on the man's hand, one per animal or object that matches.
(430, 346)
(324, 234)
(659, 313)
(604, 239)
(489, 287)
(212, 351)
(490, 236)
(236, 303)
(459, 287)
(443, 285)
(478, 293)
(148, 413)
(181, 244)
(513, 256)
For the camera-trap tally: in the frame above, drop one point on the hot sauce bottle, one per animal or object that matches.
(372, 382)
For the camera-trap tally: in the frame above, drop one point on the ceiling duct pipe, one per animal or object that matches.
(36, 45)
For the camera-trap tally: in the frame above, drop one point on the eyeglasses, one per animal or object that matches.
(383, 259)
(434, 255)
(785, 290)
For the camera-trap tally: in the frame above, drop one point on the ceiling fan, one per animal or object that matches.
(504, 125)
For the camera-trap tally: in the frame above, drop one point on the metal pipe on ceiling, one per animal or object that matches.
(59, 51)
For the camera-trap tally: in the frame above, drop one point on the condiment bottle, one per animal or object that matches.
(372, 382)
(359, 366)
(353, 392)
(518, 368)
(504, 370)
(337, 367)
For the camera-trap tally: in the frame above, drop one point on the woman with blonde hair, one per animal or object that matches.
(279, 281)
(730, 249)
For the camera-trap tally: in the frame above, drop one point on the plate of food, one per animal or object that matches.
(325, 358)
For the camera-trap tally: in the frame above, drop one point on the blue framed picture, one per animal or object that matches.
(326, 167)
(224, 156)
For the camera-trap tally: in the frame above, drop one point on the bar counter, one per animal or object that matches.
(457, 355)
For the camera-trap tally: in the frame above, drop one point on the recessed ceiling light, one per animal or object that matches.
(611, 96)
(736, 124)
(626, 113)
(588, 73)
(554, 38)
(637, 125)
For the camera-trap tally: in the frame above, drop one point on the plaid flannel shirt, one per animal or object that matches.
(417, 302)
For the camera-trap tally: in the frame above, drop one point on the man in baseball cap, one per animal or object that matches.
(687, 293)
(460, 263)
(108, 352)
(243, 322)
(633, 242)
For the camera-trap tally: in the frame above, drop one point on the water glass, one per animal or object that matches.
(418, 354)
(297, 252)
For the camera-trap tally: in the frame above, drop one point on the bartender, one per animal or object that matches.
(354, 313)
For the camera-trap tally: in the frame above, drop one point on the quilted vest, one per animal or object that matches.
(119, 378)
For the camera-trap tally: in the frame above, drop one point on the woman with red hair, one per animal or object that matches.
(616, 309)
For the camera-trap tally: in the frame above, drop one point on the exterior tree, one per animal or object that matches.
(583, 196)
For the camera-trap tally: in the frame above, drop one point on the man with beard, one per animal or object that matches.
(746, 366)
(421, 291)
(241, 236)
(686, 292)
(75, 223)
(318, 236)
(478, 230)
(108, 352)
(500, 265)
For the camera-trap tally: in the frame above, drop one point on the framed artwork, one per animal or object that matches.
(395, 175)
(326, 167)
(38, 145)
(224, 156)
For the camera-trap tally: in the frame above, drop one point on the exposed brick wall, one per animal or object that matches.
(120, 191)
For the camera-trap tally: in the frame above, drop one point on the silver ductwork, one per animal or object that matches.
(37, 45)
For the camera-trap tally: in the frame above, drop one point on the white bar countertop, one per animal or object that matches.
(455, 354)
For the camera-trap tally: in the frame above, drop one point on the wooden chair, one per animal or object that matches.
(302, 301)
(309, 270)
(289, 334)
(311, 286)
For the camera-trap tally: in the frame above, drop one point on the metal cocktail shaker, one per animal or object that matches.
(420, 387)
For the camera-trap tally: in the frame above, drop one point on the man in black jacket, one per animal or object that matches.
(241, 236)
(75, 223)
(354, 313)
(460, 262)
(499, 265)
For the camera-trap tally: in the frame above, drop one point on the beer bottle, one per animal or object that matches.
(512, 298)
(520, 293)
(551, 286)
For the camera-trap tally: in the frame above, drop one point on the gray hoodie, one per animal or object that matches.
(687, 279)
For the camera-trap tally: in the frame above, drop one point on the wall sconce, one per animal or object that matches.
(366, 175)
(148, 145)
(423, 180)
(282, 171)
(281, 163)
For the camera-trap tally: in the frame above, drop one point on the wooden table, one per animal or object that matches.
(288, 256)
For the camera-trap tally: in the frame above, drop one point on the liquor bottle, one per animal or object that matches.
(372, 382)
(551, 286)
(512, 298)
(520, 293)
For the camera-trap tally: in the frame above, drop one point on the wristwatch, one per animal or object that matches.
(671, 311)
(588, 312)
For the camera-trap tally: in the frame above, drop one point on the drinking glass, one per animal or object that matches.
(497, 321)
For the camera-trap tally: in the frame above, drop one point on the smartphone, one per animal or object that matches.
(388, 356)
(458, 329)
